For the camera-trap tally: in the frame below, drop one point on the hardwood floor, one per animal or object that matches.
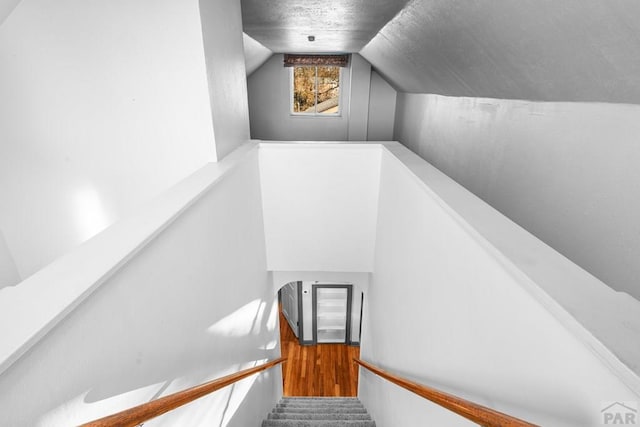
(317, 370)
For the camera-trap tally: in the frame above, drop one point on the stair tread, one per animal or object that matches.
(327, 401)
(317, 423)
(357, 410)
(320, 404)
(314, 411)
(317, 416)
(320, 398)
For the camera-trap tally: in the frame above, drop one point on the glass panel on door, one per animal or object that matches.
(331, 315)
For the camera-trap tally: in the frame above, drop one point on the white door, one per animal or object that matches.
(290, 305)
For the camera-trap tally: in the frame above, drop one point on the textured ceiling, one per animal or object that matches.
(569, 50)
(550, 50)
(338, 25)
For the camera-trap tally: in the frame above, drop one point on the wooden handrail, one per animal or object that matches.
(141, 413)
(477, 413)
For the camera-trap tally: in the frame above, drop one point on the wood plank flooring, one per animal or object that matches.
(317, 370)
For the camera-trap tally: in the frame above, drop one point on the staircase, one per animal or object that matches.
(319, 411)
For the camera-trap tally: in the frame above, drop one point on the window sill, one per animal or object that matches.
(315, 116)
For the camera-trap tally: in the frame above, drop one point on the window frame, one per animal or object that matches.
(314, 114)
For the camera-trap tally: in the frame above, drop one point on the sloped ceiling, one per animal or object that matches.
(255, 54)
(569, 50)
(6, 7)
(338, 25)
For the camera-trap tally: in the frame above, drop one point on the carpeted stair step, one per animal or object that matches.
(319, 402)
(319, 405)
(319, 412)
(314, 409)
(319, 399)
(317, 416)
(317, 423)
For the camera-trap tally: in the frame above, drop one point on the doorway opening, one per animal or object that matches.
(319, 326)
(331, 314)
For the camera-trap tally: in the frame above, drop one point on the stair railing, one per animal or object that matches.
(477, 413)
(138, 414)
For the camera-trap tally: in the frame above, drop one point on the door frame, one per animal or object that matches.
(300, 316)
(314, 309)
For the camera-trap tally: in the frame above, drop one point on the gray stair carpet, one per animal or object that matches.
(319, 411)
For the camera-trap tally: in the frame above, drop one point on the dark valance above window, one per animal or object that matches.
(320, 60)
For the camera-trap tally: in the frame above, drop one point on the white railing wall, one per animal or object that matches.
(463, 299)
(167, 299)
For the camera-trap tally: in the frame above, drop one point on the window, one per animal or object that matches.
(315, 90)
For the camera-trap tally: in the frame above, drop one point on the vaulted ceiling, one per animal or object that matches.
(568, 50)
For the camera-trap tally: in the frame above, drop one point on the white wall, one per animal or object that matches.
(567, 172)
(443, 310)
(255, 54)
(320, 204)
(359, 99)
(224, 52)
(166, 320)
(382, 109)
(8, 271)
(270, 107)
(6, 7)
(103, 106)
(368, 106)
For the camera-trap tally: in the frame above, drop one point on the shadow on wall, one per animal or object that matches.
(121, 390)
(194, 304)
(9, 275)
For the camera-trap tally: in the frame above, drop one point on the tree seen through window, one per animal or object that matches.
(316, 90)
